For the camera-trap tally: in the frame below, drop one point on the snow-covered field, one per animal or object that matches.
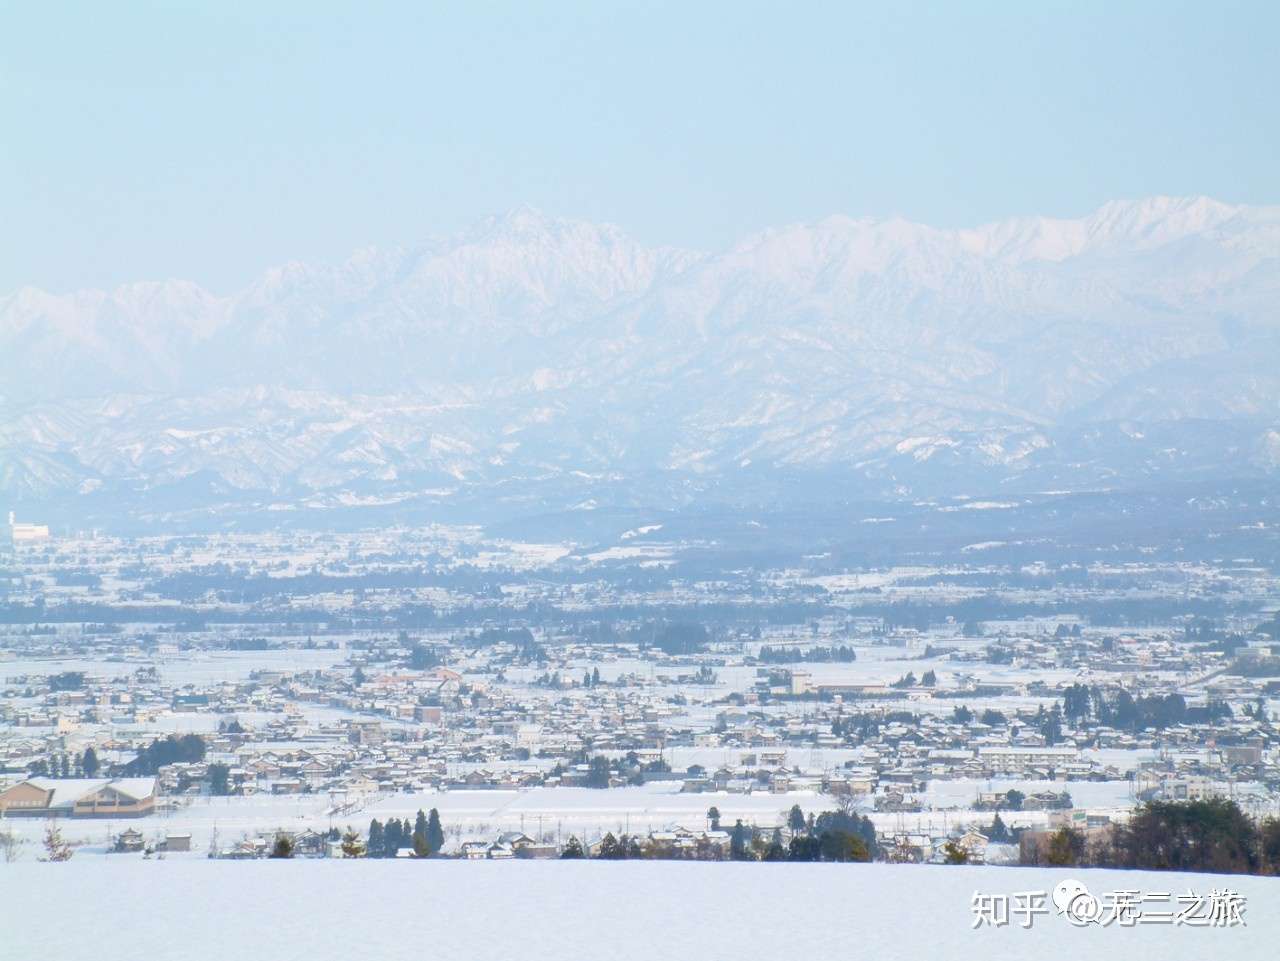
(386, 910)
(205, 667)
(479, 815)
(543, 812)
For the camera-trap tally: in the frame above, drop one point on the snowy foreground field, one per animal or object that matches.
(327, 910)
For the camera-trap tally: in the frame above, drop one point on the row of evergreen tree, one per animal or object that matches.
(841, 654)
(425, 836)
(67, 765)
(189, 748)
(1124, 711)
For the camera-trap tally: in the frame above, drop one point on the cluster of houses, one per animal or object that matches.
(372, 724)
(389, 728)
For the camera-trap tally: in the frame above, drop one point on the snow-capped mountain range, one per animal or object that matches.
(1142, 339)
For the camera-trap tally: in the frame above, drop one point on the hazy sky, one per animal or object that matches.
(209, 141)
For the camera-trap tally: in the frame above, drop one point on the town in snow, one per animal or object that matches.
(230, 696)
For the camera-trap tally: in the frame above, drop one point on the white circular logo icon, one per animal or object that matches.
(1075, 903)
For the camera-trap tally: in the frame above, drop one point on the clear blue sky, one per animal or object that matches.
(209, 141)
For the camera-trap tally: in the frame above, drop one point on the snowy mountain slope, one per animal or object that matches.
(531, 348)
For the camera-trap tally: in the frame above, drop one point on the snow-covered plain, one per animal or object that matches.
(542, 812)
(328, 910)
(467, 815)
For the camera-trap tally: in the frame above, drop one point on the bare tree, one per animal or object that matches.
(56, 849)
(9, 843)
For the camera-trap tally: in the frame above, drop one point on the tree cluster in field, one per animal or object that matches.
(423, 658)
(283, 846)
(572, 850)
(1080, 706)
(999, 832)
(863, 725)
(66, 681)
(1123, 711)
(990, 716)
(187, 749)
(679, 638)
(527, 648)
(598, 772)
(1212, 835)
(814, 655)
(1049, 723)
(425, 836)
(839, 835)
(219, 779)
(704, 675)
(929, 679)
(66, 766)
(591, 679)
(601, 769)
(830, 836)
(1265, 666)
(624, 848)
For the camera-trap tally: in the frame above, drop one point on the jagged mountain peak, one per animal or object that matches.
(537, 346)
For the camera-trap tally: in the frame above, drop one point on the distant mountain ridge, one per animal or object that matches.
(537, 351)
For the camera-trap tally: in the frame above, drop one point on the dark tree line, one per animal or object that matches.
(66, 681)
(187, 749)
(66, 765)
(1212, 835)
(423, 658)
(838, 835)
(1121, 710)
(680, 638)
(623, 848)
(424, 835)
(219, 780)
(814, 655)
